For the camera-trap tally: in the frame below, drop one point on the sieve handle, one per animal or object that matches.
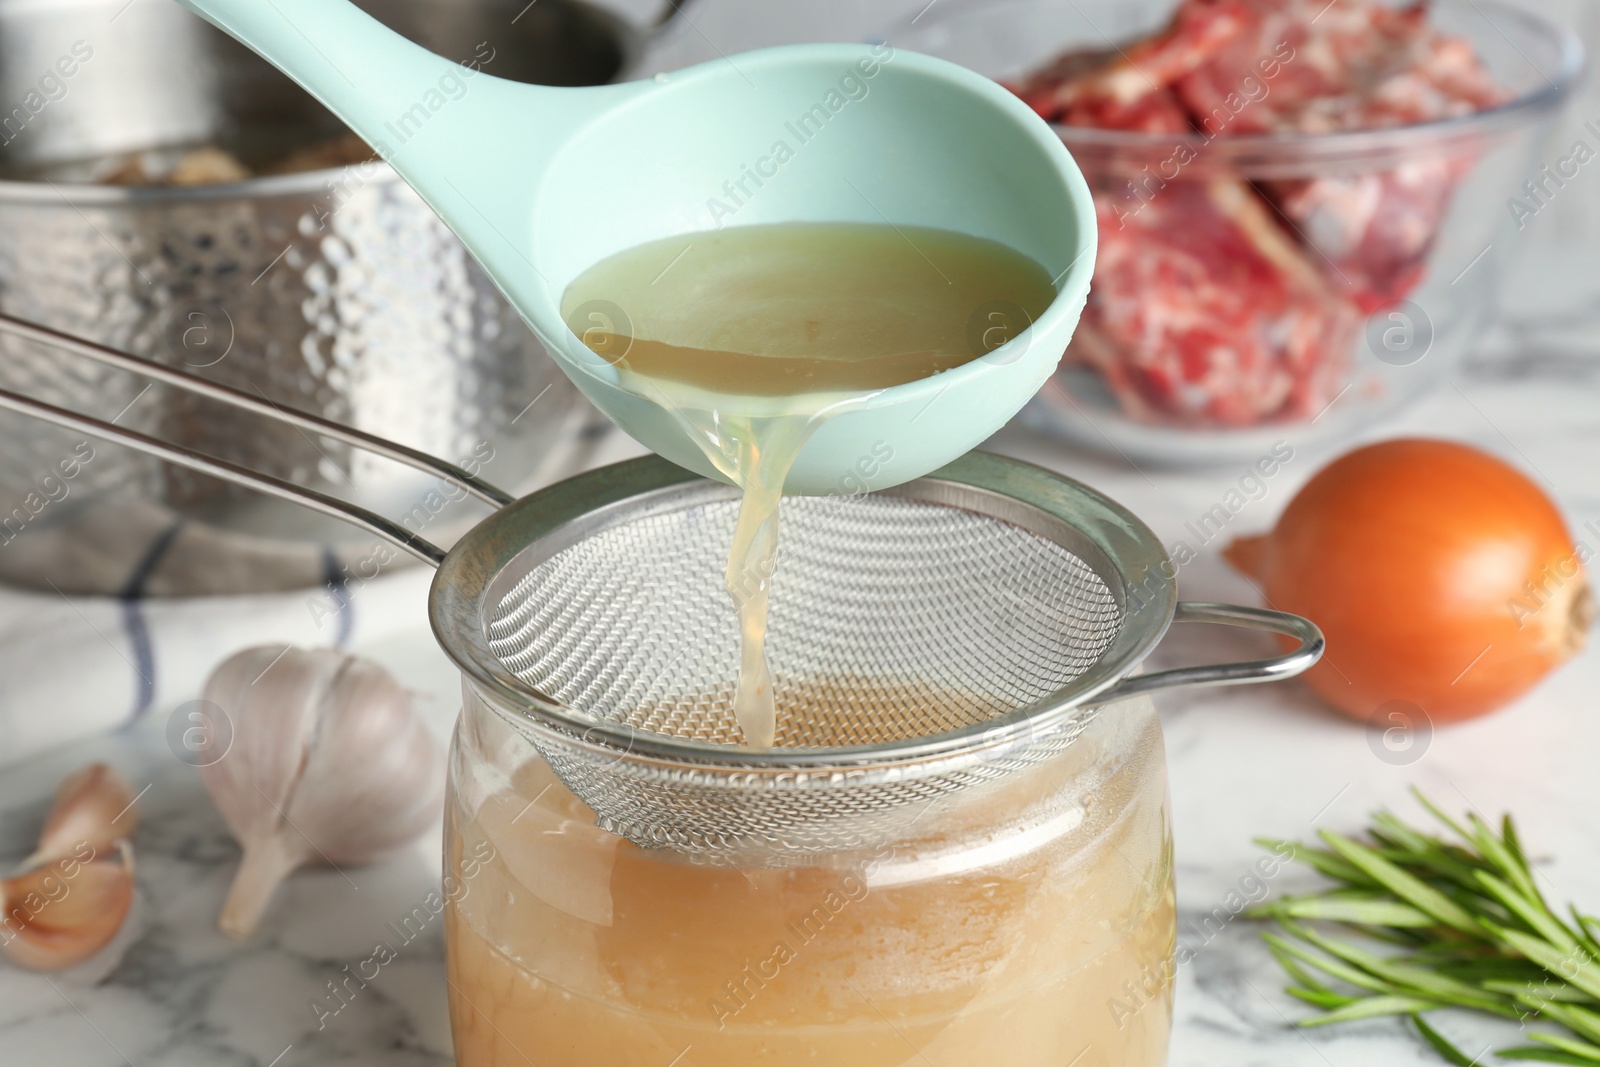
(313, 499)
(1287, 665)
(354, 514)
(236, 398)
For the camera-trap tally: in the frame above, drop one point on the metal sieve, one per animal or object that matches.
(926, 639)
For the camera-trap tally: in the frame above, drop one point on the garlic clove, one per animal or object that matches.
(270, 695)
(94, 806)
(330, 763)
(63, 913)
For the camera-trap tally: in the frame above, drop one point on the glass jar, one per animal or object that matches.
(1033, 914)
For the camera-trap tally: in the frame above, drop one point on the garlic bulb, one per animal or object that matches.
(64, 912)
(329, 763)
(93, 806)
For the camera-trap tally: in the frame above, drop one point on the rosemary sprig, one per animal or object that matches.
(1452, 921)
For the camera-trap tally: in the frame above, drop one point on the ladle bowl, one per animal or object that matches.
(540, 183)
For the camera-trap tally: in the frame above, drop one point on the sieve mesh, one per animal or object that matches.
(892, 619)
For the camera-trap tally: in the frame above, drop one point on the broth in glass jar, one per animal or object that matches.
(1030, 919)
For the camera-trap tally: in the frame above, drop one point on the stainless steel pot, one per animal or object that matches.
(335, 291)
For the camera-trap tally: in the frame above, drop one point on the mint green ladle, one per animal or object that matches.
(541, 183)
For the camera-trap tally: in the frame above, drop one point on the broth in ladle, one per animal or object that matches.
(753, 337)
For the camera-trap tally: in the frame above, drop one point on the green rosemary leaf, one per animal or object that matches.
(1291, 967)
(1334, 968)
(1589, 1052)
(1527, 902)
(1411, 938)
(1543, 1055)
(1484, 970)
(1438, 813)
(1523, 874)
(1408, 979)
(1513, 840)
(1319, 998)
(1371, 1008)
(1488, 843)
(1323, 862)
(1538, 919)
(1405, 886)
(1588, 928)
(1432, 984)
(1425, 855)
(1390, 828)
(1556, 991)
(1442, 923)
(1440, 1045)
(1574, 964)
(1581, 1022)
(1356, 907)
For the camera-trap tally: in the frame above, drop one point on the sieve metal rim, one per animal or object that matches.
(1121, 549)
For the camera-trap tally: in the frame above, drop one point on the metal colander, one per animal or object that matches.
(926, 639)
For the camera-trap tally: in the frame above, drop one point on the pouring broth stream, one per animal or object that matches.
(753, 337)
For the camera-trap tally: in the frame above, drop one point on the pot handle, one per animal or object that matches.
(1287, 665)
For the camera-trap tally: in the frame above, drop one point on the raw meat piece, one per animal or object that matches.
(1222, 302)
(1048, 90)
(1156, 111)
(1312, 67)
(1374, 230)
(1117, 78)
(1204, 312)
(1055, 94)
(1308, 66)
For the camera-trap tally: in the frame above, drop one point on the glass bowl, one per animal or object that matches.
(1379, 346)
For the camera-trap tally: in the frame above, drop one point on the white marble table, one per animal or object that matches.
(1243, 763)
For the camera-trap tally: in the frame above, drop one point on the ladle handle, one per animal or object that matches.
(471, 144)
(1274, 669)
(357, 67)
